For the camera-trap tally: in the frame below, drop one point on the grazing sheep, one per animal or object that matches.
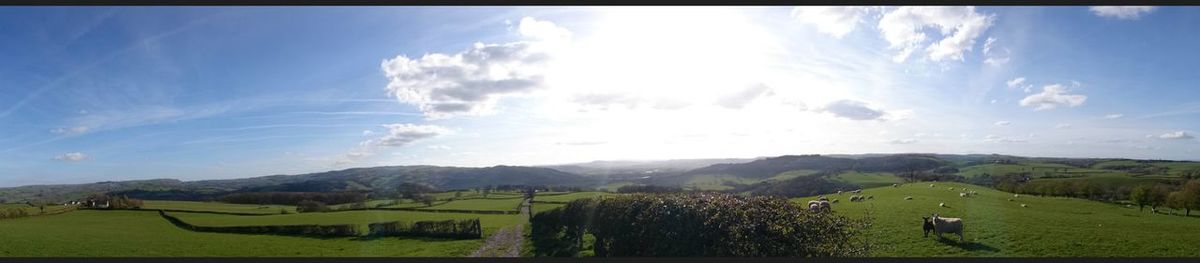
(926, 225)
(962, 194)
(825, 206)
(951, 188)
(856, 198)
(895, 185)
(859, 191)
(839, 192)
(948, 225)
(1016, 195)
(942, 204)
(930, 185)
(813, 203)
(813, 207)
(1023, 205)
(908, 198)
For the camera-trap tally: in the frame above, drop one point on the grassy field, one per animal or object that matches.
(569, 197)
(90, 233)
(33, 210)
(216, 207)
(1035, 169)
(868, 180)
(489, 222)
(509, 204)
(1049, 226)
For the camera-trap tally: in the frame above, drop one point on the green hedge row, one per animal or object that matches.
(343, 230)
(457, 229)
(696, 224)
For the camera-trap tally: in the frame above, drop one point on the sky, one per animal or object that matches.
(93, 94)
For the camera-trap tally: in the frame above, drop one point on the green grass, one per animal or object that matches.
(1034, 168)
(33, 210)
(792, 174)
(614, 185)
(1049, 227)
(216, 207)
(1111, 180)
(489, 222)
(89, 233)
(868, 180)
(509, 204)
(571, 196)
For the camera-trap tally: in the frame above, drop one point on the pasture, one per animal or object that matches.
(490, 223)
(216, 207)
(569, 197)
(868, 180)
(489, 204)
(91, 233)
(997, 227)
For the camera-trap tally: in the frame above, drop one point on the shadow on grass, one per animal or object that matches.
(968, 246)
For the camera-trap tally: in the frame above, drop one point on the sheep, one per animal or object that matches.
(813, 207)
(951, 188)
(962, 194)
(926, 225)
(856, 198)
(948, 225)
(942, 204)
(908, 198)
(895, 185)
(1016, 195)
(1023, 205)
(859, 191)
(825, 206)
(930, 185)
(839, 192)
(822, 198)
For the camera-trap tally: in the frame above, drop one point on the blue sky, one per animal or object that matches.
(118, 93)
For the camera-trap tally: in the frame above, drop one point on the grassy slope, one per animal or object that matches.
(716, 182)
(1037, 169)
(141, 233)
(33, 210)
(569, 197)
(490, 223)
(216, 207)
(509, 204)
(868, 180)
(1053, 227)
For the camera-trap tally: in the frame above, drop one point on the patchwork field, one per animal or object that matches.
(216, 207)
(569, 197)
(490, 204)
(90, 233)
(997, 227)
(490, 223)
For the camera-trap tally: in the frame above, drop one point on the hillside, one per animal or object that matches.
(997, 227)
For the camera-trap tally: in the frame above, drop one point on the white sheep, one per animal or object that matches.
(1016, 195)
(948, 225)
(942, 204)
(839, 192)
(1023, 205)
(895, 185)
(908, 198)
(930, 185)
(962, 194)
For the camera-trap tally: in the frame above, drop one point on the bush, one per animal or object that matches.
(460, 229)
(342, 230)
(308, 206)
(701, 224)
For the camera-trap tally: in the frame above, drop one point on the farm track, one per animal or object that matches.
(505, 242)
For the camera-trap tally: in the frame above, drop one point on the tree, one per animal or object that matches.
(425, 199)
(1158, 196)
(1176, 201)
(1140, 196)
(1191, 196)
(308, 206)
(457, 194)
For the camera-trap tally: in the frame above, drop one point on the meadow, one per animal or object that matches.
(997, 227)
(569, 197)
(216, 207)
(490, 223)
(93, 233)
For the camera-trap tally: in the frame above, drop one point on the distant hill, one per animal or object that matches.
(640, 167)
(341, 180)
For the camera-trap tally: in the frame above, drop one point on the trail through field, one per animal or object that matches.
(507, 241)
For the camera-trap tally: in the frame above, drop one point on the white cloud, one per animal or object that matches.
(72, 157)
(438, 147)
(1177, 135)
(1121, 12)
(743, 97)
(837, 21)
(1051, 97)
(960, 26)
(367, 132)
(994, 138)
(72, 131)
(1003, 123)
(903, 141)
(1114, 116)
(987, 45)
(1013, 83)
(861, 111)
(1063, 126)
(991, 58)
(996, 61)
(398, 134)
(470, 82)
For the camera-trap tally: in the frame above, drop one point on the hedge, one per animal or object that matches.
(457, 229)
(342, 230)
(697, 224)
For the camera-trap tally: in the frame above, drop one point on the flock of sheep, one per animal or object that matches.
(934, 223)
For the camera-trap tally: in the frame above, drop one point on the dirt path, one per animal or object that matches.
(507, 241)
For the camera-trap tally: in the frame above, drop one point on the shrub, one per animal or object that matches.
(698, 224)
(460, 229)
(308, 206)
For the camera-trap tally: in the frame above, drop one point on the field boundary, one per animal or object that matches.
(341, 230)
